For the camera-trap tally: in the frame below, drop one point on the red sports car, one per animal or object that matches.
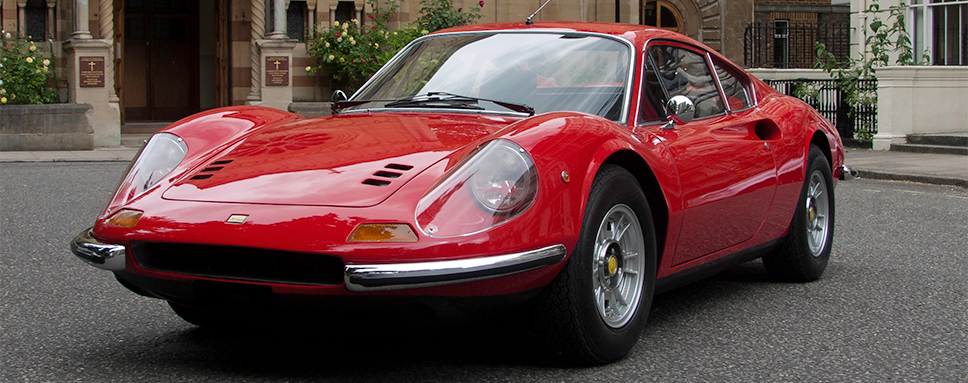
(572, 168)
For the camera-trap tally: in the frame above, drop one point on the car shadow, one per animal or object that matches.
(389, 350)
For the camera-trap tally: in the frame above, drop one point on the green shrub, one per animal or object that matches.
(25, 72)
(441, 14)
(351, 54)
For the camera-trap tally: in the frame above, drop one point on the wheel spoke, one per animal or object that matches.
(621, 232)
(618, 297)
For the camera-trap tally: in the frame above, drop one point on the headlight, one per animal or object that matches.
(493, 185)
(159, 157)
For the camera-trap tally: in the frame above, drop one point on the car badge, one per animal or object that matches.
(237, 219)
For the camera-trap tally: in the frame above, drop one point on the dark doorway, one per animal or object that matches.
(161, 60)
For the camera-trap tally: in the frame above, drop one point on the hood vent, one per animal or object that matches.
(209, 171)
(383, 177)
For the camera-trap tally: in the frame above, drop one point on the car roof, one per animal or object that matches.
(639, 35)
(636, 33)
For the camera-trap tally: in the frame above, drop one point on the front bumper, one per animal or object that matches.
(370, 277)
(99, 254)
(396, 276)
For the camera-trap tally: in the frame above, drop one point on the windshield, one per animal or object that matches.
(546, 71)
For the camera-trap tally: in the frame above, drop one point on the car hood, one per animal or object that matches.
(353, 160)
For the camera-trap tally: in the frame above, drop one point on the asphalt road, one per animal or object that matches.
(892, 306)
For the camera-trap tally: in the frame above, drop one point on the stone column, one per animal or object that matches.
(51, 18)
(22, 17)
(275, 59)
(82, 25)
(278, 20)
(107, 33)
(88, 61)
(257, 11)
(276, 79)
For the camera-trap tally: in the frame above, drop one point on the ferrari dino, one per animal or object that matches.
(576, 169)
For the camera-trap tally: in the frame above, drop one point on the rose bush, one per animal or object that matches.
(350, 52)
(26, 75)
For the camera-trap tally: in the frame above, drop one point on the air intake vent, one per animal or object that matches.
(384, 177)
(240, 263)
(370, 181)
(212, 168)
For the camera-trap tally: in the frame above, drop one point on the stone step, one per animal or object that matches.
(134, 140)
(939, 139)
(934, 149)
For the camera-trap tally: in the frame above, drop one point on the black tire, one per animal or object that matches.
(804, 253)
(578, 314)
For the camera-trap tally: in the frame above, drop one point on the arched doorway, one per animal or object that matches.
(662, 14)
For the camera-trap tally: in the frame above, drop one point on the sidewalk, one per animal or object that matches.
(939, 169)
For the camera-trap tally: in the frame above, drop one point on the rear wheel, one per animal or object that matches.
(804, 253)
(594, 311)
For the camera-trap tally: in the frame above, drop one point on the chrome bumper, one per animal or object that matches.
(846, 173)
(99, 254)
(397, 276)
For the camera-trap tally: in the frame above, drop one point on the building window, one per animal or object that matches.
(35, 18)
(296, 20)
(662, 14)
(781, 43)
(345, 11)
(940, 29)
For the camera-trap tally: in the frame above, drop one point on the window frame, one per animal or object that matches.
(922, 26)
(646, 61)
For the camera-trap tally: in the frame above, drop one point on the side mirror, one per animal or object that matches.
(338, 96)
(682, 110)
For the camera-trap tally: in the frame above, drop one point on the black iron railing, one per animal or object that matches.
(784, 45)
(852, 121)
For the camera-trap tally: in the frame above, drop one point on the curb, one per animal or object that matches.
(934, 180)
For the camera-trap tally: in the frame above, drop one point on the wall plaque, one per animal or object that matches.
(277, 71)
(92, 72)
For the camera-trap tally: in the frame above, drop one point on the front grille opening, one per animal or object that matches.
(222, 162)
(240, 263)
(375, 182)
(213, 169)
(202, 177)
(387, 174)
(399, 167)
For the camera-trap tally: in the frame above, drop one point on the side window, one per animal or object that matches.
(651, 99)
(737, 92)
(682, 72)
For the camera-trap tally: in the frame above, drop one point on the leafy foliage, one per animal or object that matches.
(441, 14)
(882, 38)
(351, 54)
(25, 73)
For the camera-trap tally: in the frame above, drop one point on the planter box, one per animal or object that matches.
(46, 127)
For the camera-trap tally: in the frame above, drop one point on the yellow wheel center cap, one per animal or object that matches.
(612, 265)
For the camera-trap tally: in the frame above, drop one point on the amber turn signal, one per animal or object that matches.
(382, 232)
(125, 218)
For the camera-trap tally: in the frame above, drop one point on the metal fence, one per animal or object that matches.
(830, 102)
(785, 45)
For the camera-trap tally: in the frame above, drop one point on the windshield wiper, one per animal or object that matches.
(437, 100)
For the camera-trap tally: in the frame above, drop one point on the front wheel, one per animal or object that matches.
(594, 311)
(804, 253)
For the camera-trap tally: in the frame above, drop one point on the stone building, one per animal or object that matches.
(149, 61)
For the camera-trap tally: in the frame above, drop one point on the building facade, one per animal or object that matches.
(161, 60)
